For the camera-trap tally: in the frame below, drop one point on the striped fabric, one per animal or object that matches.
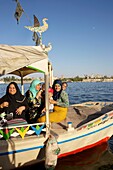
(16, 122)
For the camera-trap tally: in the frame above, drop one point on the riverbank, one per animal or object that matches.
(84, 80)
(98, 80)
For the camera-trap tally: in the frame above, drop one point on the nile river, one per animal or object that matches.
(82, 91)
(97, 158)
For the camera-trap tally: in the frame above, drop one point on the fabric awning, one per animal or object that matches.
(17, 57)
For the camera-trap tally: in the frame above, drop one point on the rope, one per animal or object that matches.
(28, 18)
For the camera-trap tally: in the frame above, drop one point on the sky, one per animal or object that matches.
(80, 31)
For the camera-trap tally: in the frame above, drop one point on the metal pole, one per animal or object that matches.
(47, 104)
(22, 84)
(50, 75)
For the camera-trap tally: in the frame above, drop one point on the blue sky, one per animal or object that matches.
(81, 33)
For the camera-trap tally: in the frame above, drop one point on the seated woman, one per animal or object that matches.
(33, 96)
(14, 102)
(61, 103)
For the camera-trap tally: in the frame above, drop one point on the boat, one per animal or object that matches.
(2, 82)
(86, 125)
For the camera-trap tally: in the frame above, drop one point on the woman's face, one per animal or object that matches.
(38, 86)
(57, 87)
(12, 89)
(64, 86)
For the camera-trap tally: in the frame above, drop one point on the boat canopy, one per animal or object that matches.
(21, 58)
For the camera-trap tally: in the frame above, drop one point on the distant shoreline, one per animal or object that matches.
(84, 80)
(97, 80)
(68, 80)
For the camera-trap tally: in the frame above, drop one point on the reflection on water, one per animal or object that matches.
(86, 160)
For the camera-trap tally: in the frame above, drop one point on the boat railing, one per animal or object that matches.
(21, 130)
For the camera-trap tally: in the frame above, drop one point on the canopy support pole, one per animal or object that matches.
(50, 74)
(22, 84)
(47, 104)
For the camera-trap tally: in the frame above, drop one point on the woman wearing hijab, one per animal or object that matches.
(33, 96)
(60, 101)
(60, 96)
(14, 102)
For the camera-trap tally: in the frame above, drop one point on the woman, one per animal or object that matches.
(14, 102)
(60, 96)
(33, 96)
(61, 103)
(64, 85)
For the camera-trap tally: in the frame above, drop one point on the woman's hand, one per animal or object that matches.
(52, 101)
(44, 110)
(39, 94)
(4, 104)
(20, 110)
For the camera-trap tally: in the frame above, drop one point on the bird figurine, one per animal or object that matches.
(36, 28)
(39, 29)
(47, 48)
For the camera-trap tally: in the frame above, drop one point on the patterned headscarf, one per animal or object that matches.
(33, 87)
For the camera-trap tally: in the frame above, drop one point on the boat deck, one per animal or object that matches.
(80, 114)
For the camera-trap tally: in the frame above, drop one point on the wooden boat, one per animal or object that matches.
(87, 124)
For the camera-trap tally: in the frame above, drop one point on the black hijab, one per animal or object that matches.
(18, 97)
(56, 94)
(15, 100)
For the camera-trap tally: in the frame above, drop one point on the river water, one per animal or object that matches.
(97, 158)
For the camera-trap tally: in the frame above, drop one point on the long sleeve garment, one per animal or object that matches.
(63, 100)
(13, 105)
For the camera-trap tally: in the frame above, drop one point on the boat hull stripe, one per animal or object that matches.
(21, 150)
